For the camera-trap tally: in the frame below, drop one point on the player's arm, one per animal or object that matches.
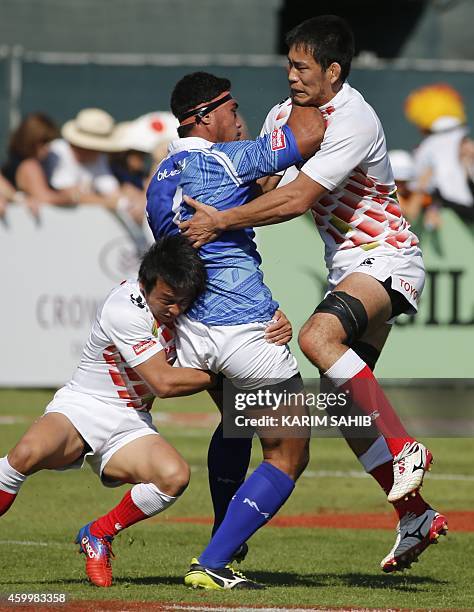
(307, 126)
(129, 330)
(279, 205)
(280, 149)
(166, 381)
(268, 183)
(344, 147)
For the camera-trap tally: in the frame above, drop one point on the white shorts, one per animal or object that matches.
(240, 352)
(406, 270)
(106, 428)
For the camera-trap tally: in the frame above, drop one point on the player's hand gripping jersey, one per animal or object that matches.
(124, 335)
(361, 207)
(222, 175)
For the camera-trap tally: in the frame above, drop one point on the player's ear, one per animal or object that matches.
(334, 72)
(206, 120)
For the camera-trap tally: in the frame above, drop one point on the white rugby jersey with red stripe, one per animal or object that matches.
(124, 335)
(360, 210)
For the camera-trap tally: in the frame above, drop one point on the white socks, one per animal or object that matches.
(345, 368)
(150, 499)
(10, 479)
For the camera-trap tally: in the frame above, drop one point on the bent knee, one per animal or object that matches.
(25, 456)
(173, 479)
(312, 341)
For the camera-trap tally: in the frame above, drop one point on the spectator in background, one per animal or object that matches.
(25, 167)
(78, 160)
(412, 200)
(444, 161)
(140, 140)
(145, 142)
(402, 163)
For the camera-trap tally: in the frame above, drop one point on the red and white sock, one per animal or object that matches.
(351, 373)
(141, 502)
(377, 462)
(383, 474)
(10, 483)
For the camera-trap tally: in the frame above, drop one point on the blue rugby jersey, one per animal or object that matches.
(222, 175)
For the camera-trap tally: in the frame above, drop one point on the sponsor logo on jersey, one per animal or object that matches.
(368, 262)
(410, 289)
(143, 346)
(278, 140)
(164, 174)
(138, 300)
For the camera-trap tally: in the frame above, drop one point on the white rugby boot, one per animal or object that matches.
(409, 468)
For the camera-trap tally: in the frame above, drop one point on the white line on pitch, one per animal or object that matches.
(33, 543)
(357, 474)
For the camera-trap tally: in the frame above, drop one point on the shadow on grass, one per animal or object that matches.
(403, 583)
(398, 582)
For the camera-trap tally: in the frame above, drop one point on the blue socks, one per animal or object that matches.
(255, 502)
(227, 462)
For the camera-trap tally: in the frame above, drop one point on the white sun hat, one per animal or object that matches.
(147, 132)
(402, 165)
(94, 129)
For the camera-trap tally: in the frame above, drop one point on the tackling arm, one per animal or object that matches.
(277, 206)
(166, 381)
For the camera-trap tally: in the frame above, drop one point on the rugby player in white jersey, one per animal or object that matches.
(102, 414)
(375, 267)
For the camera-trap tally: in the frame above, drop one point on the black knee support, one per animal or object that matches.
(349, 310)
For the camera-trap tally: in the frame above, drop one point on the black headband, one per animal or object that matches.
(202, 111)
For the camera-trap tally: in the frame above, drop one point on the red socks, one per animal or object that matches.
(354, 375)
(383, 474)
(6, 500)
(126, 513)
(369, 396)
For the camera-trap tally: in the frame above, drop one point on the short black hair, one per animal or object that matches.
(194, 89)
(328, 38)
(175, 261)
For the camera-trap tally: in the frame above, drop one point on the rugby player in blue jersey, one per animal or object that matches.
(224, 330)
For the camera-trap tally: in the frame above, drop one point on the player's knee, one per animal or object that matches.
(173, 478)
(350, 312)
(313, 341)
(25, 456)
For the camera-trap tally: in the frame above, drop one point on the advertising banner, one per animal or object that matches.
(56, 270)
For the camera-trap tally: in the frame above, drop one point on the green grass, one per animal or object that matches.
(325, 567)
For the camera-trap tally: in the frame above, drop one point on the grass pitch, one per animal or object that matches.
(307, 567)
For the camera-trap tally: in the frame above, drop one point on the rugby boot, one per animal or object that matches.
(200, 577)
(409, 468)
(98, 553)
(414, 535)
